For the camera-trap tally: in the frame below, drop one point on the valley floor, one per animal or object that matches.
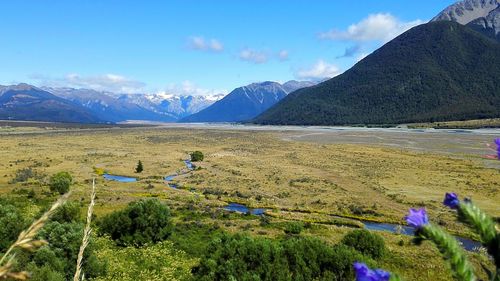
(330, 177)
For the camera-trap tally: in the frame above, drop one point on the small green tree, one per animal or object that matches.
(197, 156)
(366, 242)
(142, 222)
(139, 167)
(60, 182)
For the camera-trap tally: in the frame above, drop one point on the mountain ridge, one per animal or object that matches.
(480, 15)
(29, 103)
(423, 75)
(246, 102)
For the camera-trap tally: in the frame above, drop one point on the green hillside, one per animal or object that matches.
(439, 71)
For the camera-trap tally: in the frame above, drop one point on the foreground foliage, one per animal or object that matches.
(449, 247)
(241, 257)
(161, 261)
(142, 222)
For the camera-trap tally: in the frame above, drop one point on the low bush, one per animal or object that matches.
(141, 222)
(60, 182)
(197, 156)
(12, 223)
(294, 228)
(241, 257)
(366, 242)
(68, 212)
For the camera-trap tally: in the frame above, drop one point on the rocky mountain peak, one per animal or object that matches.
(467, 11)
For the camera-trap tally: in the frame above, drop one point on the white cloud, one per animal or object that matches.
(188, 88)
(283, 55)
(199, 43)
(318, 71)
(105, 82)
(262, 56)
(254, 56)
(376, 27)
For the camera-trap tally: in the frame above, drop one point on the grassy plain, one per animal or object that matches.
(327, 185)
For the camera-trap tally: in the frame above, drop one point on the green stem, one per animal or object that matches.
(451, 250)
(479, 220)
(485, 226)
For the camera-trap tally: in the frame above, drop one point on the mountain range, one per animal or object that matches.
(439, 71)
(172, 106)
(27, 102)
(247, 102)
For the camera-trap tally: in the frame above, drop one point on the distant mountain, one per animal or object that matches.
(246, 102)
(434, 72)
(293, 85)
(106, 107)
(174, 106)
(26, 102)
(480, 15)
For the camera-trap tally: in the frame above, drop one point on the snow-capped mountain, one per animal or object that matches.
(246, 102)
(481, 15)
(177, 106)
(27, 102)
(107, 107)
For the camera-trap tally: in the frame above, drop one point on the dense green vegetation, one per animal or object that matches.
(439, 71)
(12, 223)
(56, 260)
(60, 182)
(365, 242)
(142, 222)
(197, 156)
(241, 257)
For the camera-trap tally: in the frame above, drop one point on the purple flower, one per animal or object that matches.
(364, 273)
(496, 149)
(497, 142)
(417, 218)
(451, 200)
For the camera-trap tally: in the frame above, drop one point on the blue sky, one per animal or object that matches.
(194, 47)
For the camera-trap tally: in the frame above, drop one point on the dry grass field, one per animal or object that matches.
(328, 184)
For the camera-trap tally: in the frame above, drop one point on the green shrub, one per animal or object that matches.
(343, 258)
(294, 228)
(12, 223)
(365, 242)
(68, 212)
(241, 257)
(197, 156)
(60, 182)
(142, 222)
(45, 273)
(64, 244)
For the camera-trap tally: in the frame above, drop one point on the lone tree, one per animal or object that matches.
(197, 156)
(60, 182)
(139, 167)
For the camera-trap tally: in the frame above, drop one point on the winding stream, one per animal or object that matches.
(118, 178)
(170, 178)
(467, 244)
